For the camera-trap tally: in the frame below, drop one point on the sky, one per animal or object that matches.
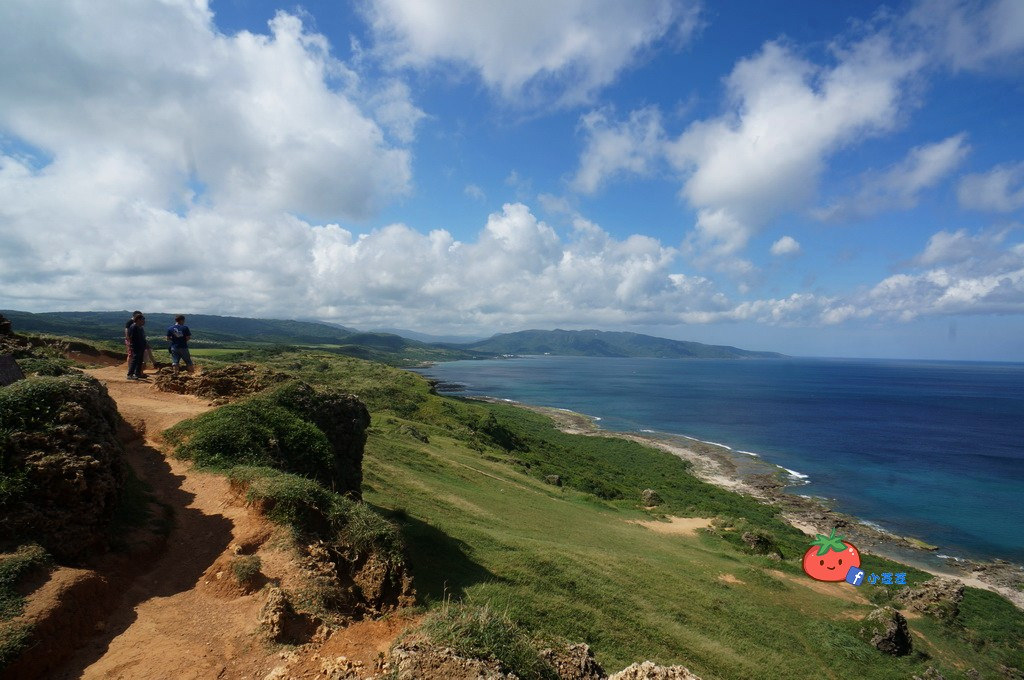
(820, 179)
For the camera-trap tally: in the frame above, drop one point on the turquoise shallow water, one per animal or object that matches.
(930, 449)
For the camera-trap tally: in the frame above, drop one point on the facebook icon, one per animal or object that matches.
(855, 576)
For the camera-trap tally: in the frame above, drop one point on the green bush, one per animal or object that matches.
(285, 498)
(13, 638)
(254, 432)
(46, 366)
(61, 463)
(314, 511)
(483, 633)
(246, 568)
(31, 405)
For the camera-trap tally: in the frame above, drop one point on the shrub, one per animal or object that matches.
(319, 434)
(45, 366)
(314, 511)
(254, 432)
(483, 633)
(61, 463)
(246, 568)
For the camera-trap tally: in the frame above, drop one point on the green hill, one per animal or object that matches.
(606, 344)
(218, 332)
(468, 483)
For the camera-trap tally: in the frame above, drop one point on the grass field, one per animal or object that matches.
(483, 528)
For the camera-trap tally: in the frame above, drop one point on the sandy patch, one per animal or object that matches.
(729, 578)
(676, 526)
(842, 590)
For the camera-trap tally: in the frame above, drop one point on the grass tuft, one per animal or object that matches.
(485, 633)
(246, 569)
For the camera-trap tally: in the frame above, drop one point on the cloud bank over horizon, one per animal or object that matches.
(246, 173)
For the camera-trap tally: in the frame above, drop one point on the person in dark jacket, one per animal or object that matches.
(137, 340)
(127, 341)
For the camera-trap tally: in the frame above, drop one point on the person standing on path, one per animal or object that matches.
(127, 339)
(137, 340)
(178, 335)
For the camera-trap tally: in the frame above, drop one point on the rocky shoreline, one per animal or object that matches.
(766, 482)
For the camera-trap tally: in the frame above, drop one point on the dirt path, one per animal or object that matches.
(170, 622)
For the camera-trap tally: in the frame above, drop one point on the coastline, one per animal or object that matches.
(751, 476)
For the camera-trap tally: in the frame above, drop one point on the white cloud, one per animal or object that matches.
(899, 186)
(787, 245)
(971, 34)
(784, 117)
(531, 49)
(518, 271)
(956, 273)
(1001, 189)
(613, 148)
(266, 123)
(474, 192)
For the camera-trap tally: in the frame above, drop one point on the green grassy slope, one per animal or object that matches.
(464, 481)
(605, 344)
(220, 332)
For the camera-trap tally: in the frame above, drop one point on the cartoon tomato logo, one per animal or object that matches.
(830, 557)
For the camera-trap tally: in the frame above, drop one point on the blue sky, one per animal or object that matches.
(831, 179)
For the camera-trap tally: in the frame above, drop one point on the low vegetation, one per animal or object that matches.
(61, 463)
(464, 481)
(454, 493)
(484, 633)
(15, 568)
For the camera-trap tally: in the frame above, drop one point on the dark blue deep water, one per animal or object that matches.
(928, 449)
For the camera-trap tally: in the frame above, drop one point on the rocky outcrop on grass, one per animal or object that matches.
(219, 385)
(650, 498)
(938, 597)
(417, 660)
(574, 662)
(465, 641)
(61, 464)
(648, 670)
(886, 630)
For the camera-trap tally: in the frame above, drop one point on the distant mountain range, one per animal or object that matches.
(429, 338)
(212, 331)
(593, 343)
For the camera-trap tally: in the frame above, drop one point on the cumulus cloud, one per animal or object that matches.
(956, 273)
(1001, 189)
(518, 271)
(899, 186)
(263, 122)
(531, 49)
(787, 245)
(783, 119)
(612, 148)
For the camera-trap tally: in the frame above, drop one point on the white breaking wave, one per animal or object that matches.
(795, 474)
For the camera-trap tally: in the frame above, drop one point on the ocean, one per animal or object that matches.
(928, 449)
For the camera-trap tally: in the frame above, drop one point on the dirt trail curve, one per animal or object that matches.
(166, 624)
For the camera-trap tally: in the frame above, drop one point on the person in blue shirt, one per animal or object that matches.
(178, 335)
